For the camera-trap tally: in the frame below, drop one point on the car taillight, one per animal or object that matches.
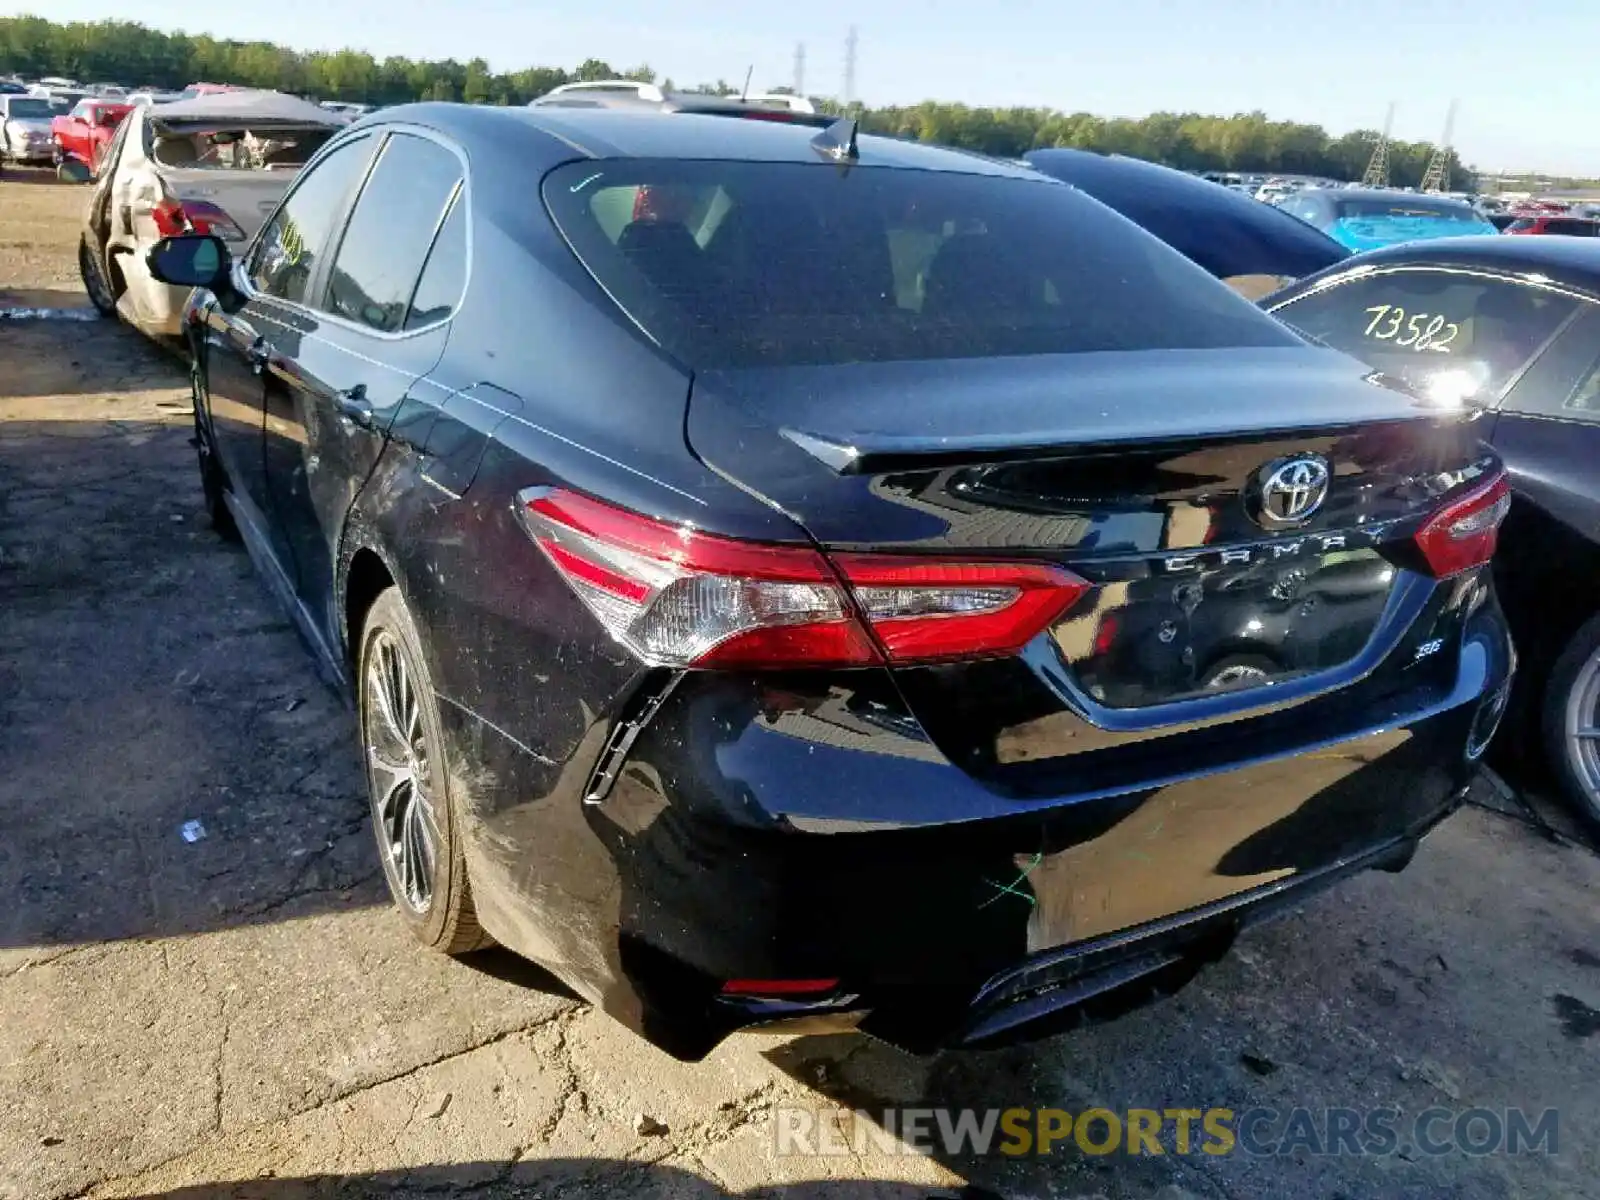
(208, 218)
(761, 988)
(924, 610)
(170, 218)
(175, 217)
(678, 597)
(1463, 533)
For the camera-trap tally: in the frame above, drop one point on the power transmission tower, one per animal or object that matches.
(850, 68)
(1377, 173)
(799, 68)
(1437, 177)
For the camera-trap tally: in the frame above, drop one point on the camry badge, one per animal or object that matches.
(1290, 490)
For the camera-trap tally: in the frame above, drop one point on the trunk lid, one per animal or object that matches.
(248, 197)
(1168, 480)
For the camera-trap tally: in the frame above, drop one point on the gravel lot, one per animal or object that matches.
(241, 1016)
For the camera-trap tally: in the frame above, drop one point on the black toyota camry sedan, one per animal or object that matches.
(1510, 325)
(786, 573)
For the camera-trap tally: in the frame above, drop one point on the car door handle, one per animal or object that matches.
(354, 406)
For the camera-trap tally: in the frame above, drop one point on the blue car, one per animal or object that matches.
(1369, 218)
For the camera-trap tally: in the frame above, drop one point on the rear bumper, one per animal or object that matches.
(1111, 974)
(784, 829)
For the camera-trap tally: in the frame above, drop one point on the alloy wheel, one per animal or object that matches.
(398, 772)
(1583, 729)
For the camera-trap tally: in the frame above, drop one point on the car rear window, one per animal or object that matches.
(731, 264)
(265, 149)
(30, 109)
(1437, 329)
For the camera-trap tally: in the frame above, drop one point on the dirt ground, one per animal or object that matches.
(240, 1015)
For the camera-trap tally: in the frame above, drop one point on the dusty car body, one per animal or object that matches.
(582, 402)
(218, 163)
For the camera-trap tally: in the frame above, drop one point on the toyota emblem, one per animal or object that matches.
(1290, 490)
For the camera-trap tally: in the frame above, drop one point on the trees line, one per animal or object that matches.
(129, 53)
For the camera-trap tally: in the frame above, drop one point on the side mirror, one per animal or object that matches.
(73, 170)
(192, 260)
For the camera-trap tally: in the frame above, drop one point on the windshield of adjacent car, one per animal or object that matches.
(29, 108)
(733, 264)
(1418, 208)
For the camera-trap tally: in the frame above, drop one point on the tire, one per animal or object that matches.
(430, 891)
(1572, 702)
(95, 280)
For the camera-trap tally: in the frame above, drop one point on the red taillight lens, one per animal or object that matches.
(175, 217)
(206, 217)
(170, 218)
(678, 597)
(929, 610)
(1463, 533)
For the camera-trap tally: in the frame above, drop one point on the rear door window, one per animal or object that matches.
(731, 264)
(391, 230)
(298, 236)
(1452, 333)
(445, 275)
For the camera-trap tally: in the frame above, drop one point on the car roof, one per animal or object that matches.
(1116, 173)
(1226, 231)
(650, 133)
(1571, 262)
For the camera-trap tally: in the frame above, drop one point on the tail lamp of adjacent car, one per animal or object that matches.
(174, 217)
(1463, 533)
(676, 596)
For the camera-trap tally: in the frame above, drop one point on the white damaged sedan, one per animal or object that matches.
(215, 164)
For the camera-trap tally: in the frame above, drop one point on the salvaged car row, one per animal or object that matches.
(785, 572)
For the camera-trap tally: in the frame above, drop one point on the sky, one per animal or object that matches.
(1523, 73)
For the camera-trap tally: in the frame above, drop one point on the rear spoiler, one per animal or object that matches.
(886, 453)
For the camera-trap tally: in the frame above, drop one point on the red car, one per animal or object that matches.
(84, 133)
(1564, 225)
